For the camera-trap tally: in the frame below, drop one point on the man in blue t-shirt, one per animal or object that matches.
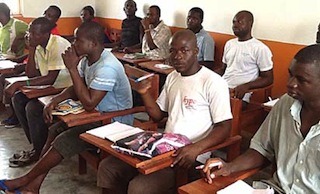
(100, 83)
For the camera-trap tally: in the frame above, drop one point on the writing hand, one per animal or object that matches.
(223, 169)
(144, 85)
(185, 156)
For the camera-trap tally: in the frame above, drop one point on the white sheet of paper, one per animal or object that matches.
(238, 187)
(163, 66)
(271, 103)
(114, 131)
(7, 64)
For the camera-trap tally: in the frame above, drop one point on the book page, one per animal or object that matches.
(114, 131)
(238, 187)
(68, 106)
(7, 64)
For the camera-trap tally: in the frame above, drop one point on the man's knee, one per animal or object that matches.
(159, 182)
(114, 173)
(34, 108)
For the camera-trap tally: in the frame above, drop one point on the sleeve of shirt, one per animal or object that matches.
(105, 79)
(262, 141)
(162, 100)
(21, 28)
(162, 37)
(225, 49)
(219, 100)
(55, 58)
(208, 48)
(264, 59)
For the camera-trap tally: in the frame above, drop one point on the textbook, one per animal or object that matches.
(68, 106)
(134, 56)
(137, 142)
(147, 144)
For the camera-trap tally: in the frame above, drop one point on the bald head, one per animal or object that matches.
(185, 35)
(184, 52)
(247, 15)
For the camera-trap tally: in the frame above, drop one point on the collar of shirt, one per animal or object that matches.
(159, 26)
(9, 24)
(49, 45)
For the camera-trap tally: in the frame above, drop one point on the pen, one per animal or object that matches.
(270, 99)
(144, 77)
(210, 165)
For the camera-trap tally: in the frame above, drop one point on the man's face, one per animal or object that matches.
(241, 26)
(130, 8)
(85, 16)
(153, 16)
(183, 55)
(51, 15)
(304, 81)
(193, 20)
(81, 43)
(34, 35)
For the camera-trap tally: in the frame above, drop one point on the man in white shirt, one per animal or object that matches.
(197, 104)
(247, 62)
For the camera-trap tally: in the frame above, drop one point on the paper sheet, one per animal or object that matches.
(114, 131)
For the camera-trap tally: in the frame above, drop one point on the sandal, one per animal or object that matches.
(4, 188)
(24, 160)
(20, 154)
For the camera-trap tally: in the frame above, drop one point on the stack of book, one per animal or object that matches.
(68, 106)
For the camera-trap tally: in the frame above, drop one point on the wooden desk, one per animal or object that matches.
(38, 91)
(120, 56)
(150, 65)
(72, 119)
(201, 187)
(143, 166)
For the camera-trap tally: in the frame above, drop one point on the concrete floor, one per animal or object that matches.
(64, 178)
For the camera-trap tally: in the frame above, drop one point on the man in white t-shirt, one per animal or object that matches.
(247, 62)
(197, 104)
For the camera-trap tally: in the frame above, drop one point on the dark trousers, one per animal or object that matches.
(30, 115)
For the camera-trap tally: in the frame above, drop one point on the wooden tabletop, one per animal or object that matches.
(121, 57)
(151, 65)
(201, 187)
(38, 91)
(143, 166)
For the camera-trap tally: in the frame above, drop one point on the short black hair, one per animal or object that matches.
(94, 31)
(197, 10)
(90, 9)
(56, 9)
(5, 9)
(309, 55)
(135, 5)
(157, 8)
(45, 25)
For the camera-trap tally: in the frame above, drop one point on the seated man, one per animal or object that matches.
(86, 15)
(247, 62)
(131, 28)
(53, 14)
(45, 67)
(100, 83)
(205, 42)
(155, 42)
(197, 103)
(290, 135)
(12, 45)
(12, 33)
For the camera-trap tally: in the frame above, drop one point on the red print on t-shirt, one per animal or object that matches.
(188, 103)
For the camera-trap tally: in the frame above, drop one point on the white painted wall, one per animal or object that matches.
(291, 21)
(69, 8)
